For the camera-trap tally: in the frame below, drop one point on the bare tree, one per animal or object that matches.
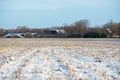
(23, 29)
(2, 32)
(112, 28)
(118, 29)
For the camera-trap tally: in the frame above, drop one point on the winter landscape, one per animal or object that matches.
(59, 59)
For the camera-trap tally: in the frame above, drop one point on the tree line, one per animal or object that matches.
(79, 29)
(82, 29)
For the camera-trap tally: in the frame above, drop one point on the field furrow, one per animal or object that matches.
(59, 59)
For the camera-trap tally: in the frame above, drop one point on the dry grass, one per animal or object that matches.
(78, 59)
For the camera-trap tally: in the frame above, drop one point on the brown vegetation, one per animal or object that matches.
(77, 29)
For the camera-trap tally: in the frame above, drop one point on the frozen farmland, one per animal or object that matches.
(59, 59)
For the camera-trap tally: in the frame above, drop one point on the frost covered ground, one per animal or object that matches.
(59, 59)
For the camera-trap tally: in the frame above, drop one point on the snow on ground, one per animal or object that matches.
(59, 59)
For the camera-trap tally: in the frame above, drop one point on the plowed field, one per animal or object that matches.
(59, 59)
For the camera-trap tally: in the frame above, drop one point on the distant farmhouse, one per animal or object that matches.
(48, 33)
(22, 35)
(112, 34)
(14, 35)
(54, 33)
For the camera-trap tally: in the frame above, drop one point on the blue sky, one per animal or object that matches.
(49, 13)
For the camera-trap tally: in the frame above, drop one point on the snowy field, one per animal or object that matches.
(59, 59)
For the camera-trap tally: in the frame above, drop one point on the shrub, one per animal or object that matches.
(74, 36)
(91, 35)
(102, 35)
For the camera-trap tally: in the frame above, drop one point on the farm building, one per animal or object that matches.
(48, 33)
(14, 35)
(54, 33)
